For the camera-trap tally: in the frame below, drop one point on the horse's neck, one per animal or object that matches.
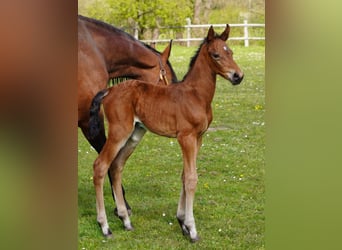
(135, 52)
(124, 52)
(201, 78)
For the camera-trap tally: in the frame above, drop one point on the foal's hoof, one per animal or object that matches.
(129, 228)
(108, 235)
(195, 239)
(184, 228)
(186, 231)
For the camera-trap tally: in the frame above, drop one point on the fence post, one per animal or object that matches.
(188, 31)
(246, 33)
(136, 31)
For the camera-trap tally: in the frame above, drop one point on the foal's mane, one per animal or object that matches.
(194, 57)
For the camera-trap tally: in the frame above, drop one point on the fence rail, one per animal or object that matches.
(190, 26)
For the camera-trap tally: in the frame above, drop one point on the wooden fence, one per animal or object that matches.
(246, 38)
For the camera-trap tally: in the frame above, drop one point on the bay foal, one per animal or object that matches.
(180, 110)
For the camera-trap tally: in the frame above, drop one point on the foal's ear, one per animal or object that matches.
(225, 34)
(166, 53)
(211, 34)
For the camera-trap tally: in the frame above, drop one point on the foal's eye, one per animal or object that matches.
(216, 56)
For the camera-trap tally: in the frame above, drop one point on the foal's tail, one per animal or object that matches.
(95, 123)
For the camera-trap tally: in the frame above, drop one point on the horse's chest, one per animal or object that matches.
(197, 118)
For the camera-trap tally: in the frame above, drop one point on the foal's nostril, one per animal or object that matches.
(237, 78)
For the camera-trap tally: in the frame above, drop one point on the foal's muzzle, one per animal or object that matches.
(235, 78)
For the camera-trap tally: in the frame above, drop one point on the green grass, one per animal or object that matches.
(230, 196)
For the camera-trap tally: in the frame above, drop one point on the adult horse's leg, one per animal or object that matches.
(116, 173)
(185, 216)
(98, 142)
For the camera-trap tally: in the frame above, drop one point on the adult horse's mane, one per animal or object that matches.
(106, 26)
(114, 29)
(111, 28)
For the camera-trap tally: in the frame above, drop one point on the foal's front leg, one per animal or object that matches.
(189, 145)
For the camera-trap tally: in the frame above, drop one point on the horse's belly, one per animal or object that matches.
(158, 125)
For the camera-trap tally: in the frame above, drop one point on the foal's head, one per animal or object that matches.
(221, 56)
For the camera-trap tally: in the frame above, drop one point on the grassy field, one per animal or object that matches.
(230, 196)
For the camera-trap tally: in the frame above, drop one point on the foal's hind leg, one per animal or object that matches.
(116, 173)
(98, 142)
(101, 166)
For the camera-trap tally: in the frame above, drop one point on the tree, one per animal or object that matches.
(140, 15)
(197, 11)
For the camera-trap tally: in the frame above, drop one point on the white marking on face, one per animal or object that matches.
(230, 74)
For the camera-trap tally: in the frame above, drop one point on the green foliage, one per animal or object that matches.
(238, 10)
(146, 17)
(230, 195)
(131, 14)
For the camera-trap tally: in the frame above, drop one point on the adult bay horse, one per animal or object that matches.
(180, 110)
(105, 52)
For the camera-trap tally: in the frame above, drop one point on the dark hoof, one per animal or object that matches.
(184, 228)
(186, 231)
(116, 212)
(108, 234)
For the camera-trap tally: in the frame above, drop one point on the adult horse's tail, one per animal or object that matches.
(95, 123)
